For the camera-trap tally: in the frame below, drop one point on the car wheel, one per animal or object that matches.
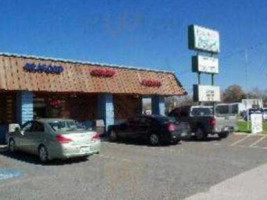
(43, 154)
(12, 145)
(176, 141)
(154, 139)
(200, 134)
(113, 136)
(223, 135)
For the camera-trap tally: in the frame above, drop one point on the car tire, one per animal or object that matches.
(223, 135)
(154, 140)
(85, 157)
(43, 154)
(113, 136)
(200, 134)
(176, 141)
(12, 145)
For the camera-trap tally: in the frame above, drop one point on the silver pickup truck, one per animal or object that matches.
(203, 121)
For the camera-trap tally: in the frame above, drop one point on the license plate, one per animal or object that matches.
(85, 149)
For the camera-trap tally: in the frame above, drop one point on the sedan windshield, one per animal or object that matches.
(65, 126)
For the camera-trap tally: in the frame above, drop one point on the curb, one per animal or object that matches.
(250, 134)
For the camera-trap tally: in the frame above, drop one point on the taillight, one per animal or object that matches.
(62, 139)
(172, 127)
(213, 122)
(96, 136)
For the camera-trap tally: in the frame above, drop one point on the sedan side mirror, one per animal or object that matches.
(13, 128)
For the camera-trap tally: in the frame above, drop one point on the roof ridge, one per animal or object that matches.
(82, 62)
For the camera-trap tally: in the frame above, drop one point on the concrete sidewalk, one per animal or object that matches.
(246, 186)
(251, 134)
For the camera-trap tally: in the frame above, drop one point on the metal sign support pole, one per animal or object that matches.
(198, 78)
(199, 82)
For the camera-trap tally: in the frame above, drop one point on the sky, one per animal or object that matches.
(141, 33)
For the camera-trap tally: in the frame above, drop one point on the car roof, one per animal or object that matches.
(47, 120)
(152, 116)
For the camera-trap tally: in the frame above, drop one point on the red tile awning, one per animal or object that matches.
(78, 77)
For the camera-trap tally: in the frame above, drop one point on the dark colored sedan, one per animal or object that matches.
(155, 129)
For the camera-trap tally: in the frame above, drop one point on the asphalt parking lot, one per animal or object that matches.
(133, 170)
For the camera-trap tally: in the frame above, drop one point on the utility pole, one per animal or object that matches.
(246, 61)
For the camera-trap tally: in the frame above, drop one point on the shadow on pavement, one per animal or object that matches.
(32, 159)
(136, 142)
(208, 139)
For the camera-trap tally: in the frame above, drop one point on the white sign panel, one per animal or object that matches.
(256, 123)
(204, 39)
(205, 64)
(207, 93)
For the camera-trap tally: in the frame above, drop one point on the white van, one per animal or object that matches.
(264, 114)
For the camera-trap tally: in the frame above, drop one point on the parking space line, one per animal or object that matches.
(253, 144)
(239, 141)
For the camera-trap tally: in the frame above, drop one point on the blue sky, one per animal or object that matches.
(142, 33)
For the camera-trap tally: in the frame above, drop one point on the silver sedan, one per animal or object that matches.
(54, 139)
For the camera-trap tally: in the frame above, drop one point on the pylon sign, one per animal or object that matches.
(205, 64)
(206, 93)
(203, 39)
(206, 42)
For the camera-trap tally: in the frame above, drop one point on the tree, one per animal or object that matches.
(233, 93)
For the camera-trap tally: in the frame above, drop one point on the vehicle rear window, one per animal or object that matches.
(65, 126)
(201, 112)
(163, 120)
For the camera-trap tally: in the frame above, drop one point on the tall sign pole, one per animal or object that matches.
(206, 43)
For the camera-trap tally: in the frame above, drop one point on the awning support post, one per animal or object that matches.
(105, 109)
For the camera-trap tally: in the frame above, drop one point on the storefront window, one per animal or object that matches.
(69, 106)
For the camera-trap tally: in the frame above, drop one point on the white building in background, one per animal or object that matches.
(252, 103)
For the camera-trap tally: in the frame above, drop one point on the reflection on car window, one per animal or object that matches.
(37, 127)
(163, 119)
(27, 126)
(65, 126)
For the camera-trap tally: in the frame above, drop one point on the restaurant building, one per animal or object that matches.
(35, 87)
